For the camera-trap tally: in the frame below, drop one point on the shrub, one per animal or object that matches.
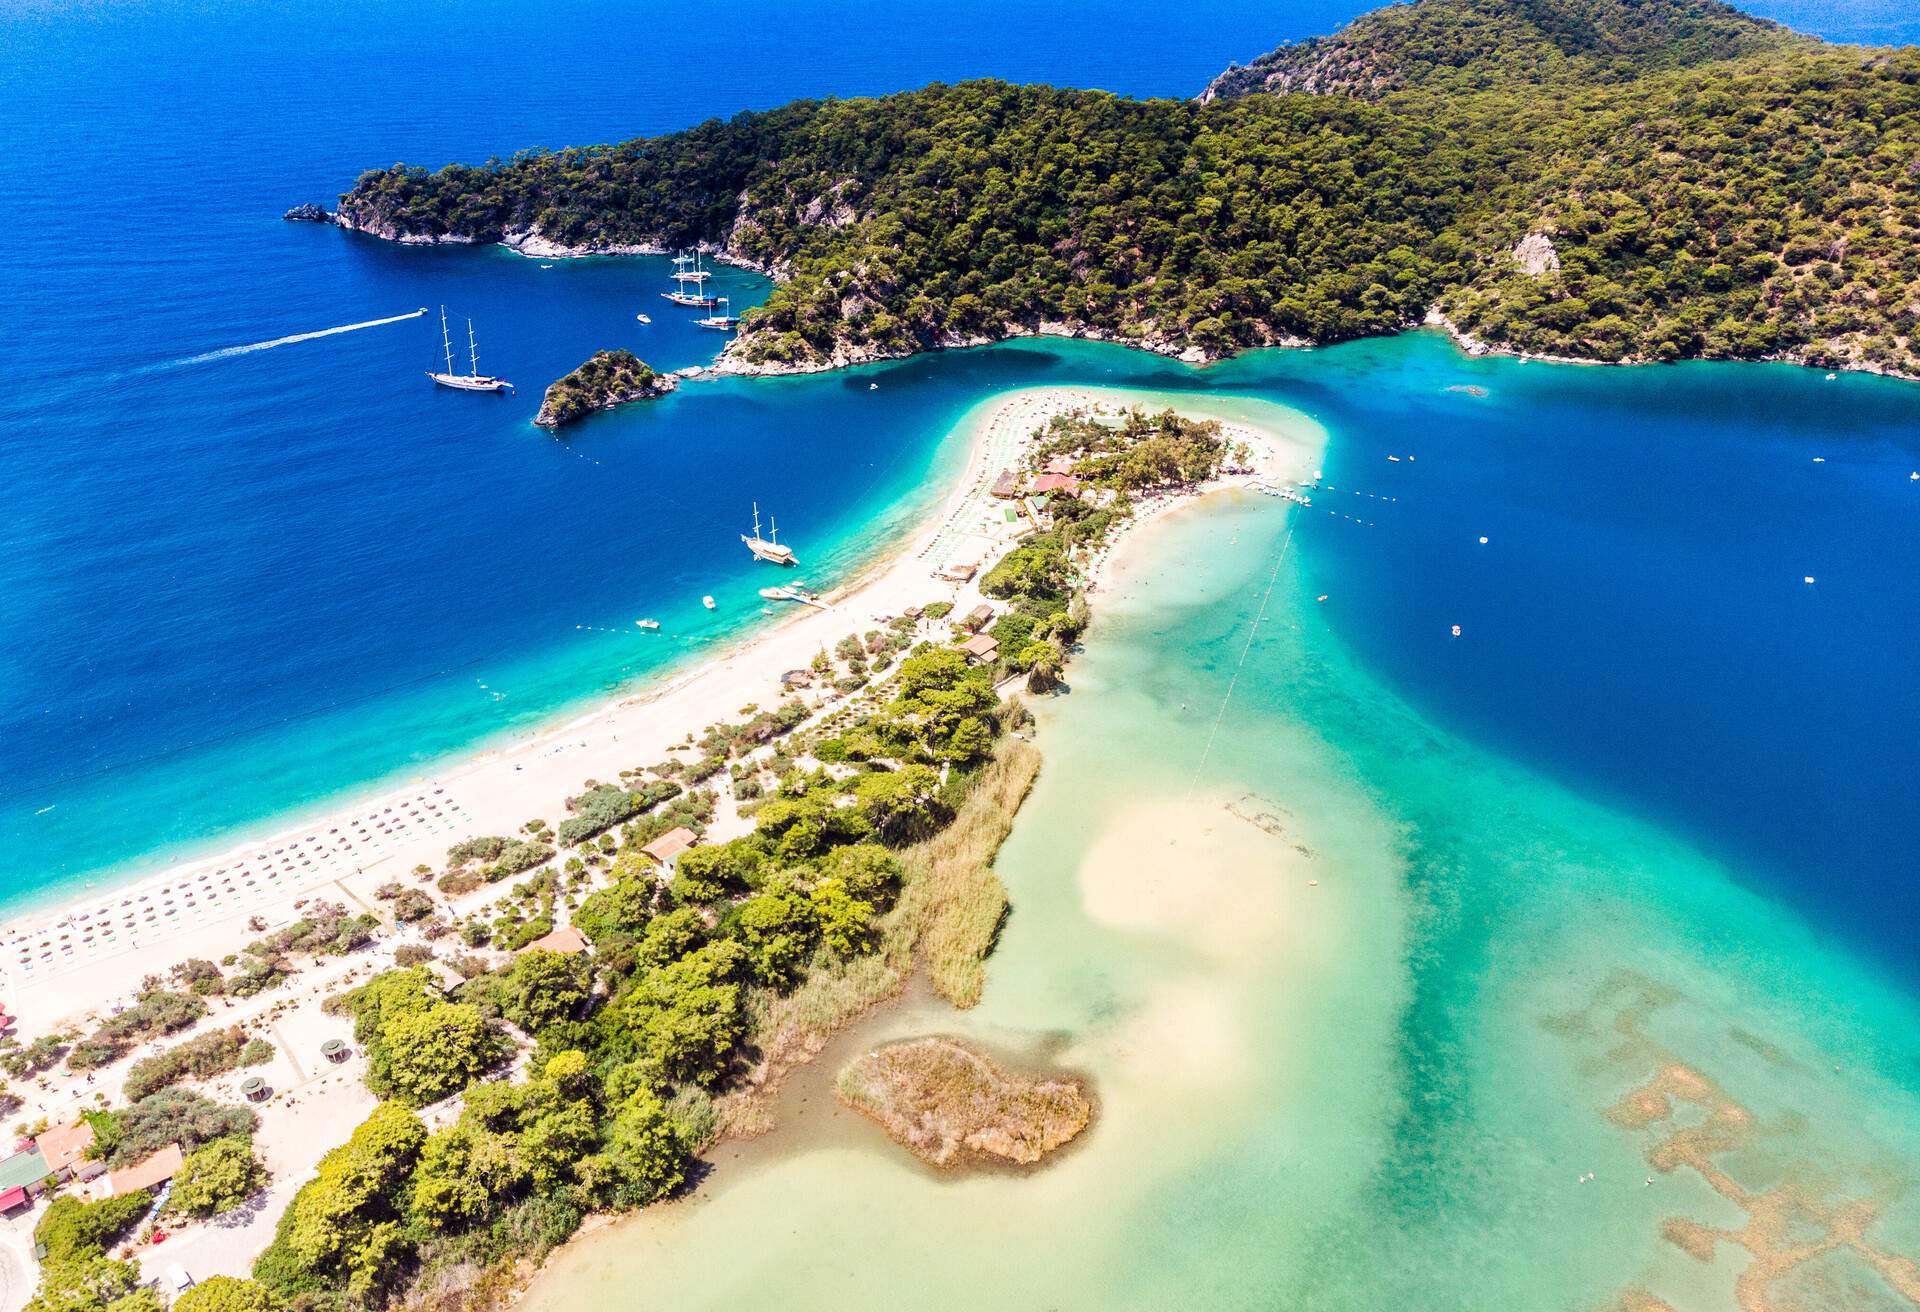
(202, 1057)
(158, 1012)
(216, 1177)
(169, 1116)
(456, 883)
(73, 1230)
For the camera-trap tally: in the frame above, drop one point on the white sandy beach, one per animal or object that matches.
(85, 955)
(65, 968)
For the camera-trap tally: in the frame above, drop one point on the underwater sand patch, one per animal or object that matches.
(1191, 870)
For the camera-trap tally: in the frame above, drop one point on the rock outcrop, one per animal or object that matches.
(608, 379)
(1536, 255)
(308, 213)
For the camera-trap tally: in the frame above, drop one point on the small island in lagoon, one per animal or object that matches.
(951, 1106)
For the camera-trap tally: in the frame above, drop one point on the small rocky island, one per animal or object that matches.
(609, 379)
(949, 1105)
(308, 213)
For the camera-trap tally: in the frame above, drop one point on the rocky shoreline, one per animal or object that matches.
(606, 380)
(846, 355)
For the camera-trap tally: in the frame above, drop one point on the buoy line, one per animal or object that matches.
(1252, 632)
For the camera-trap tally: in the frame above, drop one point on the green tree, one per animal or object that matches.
(846, 922)
(72, 1229)
(645, 1156)
(435, 1053)
(546, 987)
(622, 908)
(776, 928)
(216, 1177)
(92, 1284)
(342, 1227)
(226, 1294)
(682, 1021)
(464, 1174)
(899, 804)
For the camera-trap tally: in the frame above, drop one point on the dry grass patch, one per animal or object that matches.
(946, 1103)
(952, 895)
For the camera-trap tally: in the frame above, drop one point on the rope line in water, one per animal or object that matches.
(1252, 632)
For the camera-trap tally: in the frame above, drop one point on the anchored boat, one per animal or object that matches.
(722, 321)
(473, 381)
(690, 283)
(798, 594)
(768, 548)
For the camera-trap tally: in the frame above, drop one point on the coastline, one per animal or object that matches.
(88, 946)
(805, 1121)
(534, 245)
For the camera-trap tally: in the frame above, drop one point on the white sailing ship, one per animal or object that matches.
(769, 548)
(473, 380)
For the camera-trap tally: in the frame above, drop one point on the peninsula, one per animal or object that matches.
(1608, 180)
(556, 974)
(607, 379)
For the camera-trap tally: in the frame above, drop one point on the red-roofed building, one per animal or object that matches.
(567, 940)
(143, 1174)
(65, 1148)
(666, 849)
(981, 649)
(1063, 483)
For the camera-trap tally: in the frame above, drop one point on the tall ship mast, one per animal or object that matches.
(769, 549)
(689, 284)
(473, 380)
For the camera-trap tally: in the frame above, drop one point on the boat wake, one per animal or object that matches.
(230, 351)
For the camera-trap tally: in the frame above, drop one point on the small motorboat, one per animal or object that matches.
(647, 624)
(644, 318)
(707, 602)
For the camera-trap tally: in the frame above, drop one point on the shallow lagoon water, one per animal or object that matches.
(1400, 1086)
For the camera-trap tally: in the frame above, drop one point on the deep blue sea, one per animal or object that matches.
(231, 587)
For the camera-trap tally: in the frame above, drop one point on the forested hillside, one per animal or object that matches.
(1609, 179)
(1470, 45)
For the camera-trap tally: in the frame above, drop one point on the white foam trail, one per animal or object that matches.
(250, 347)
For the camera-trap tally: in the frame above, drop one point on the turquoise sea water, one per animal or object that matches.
(235, 587)
(1367, 1008)
(1649, 816)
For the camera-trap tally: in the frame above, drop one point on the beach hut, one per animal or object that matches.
(25, 1171)
(335, 1051)
(960, 571)
(666, 849)
(976, 619)
(981, 649)
(65, 1149)
(254, 1089)
(566, 940)
(155, 1169)
(1007, 486)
